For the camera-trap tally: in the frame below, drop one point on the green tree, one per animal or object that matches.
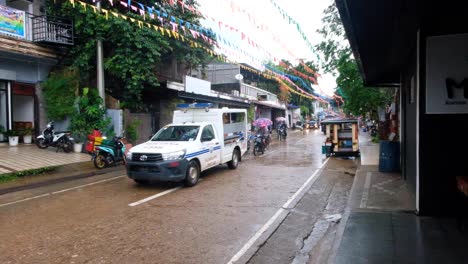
(338, 59)
(89, 113)
(133, 55)
(59, 93)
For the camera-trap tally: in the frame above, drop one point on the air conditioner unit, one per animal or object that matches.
(235, 92)
(262, 97)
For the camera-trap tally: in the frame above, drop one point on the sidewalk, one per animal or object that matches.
(380, 225)
(26, 157)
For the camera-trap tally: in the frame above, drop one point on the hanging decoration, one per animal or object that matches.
(164, 31)
(292, 21)
(164, 18)
(309, 70)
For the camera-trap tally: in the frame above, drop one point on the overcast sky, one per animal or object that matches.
(281, 40)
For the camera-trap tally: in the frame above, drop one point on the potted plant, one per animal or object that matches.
(79, 136)
(13, 137)
(2, 131)
(27, 135)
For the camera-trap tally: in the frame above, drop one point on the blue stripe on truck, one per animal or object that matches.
(191, 155)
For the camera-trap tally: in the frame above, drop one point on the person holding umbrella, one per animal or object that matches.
(262, 124)
(282, 127)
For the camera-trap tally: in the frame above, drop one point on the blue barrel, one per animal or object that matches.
(389, 159)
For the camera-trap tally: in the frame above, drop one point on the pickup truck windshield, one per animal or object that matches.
(177, 133)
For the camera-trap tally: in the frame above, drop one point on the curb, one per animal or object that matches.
(76, 176)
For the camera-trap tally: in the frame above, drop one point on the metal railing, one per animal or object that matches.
(52, 30)
(252, 91)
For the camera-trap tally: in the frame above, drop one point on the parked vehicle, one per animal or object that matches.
(259, 145)
(50, 138)
(110, 152)
(199, 138)
(298, 125)
(342, 137)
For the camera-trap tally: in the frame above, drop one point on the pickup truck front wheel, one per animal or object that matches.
(235, 160)
(193, 174)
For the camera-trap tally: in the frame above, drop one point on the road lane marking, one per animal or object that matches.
(85, 185)
(256, 236)
(270, 222)
(158, 195)
(365, 193)
(24, 200)
(154, 196)
(56, 192)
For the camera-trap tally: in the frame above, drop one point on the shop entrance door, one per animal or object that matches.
(3, 107)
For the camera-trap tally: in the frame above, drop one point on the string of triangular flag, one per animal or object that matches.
(165, 18)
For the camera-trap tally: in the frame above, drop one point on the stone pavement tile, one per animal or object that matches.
(25, 157)
(412, 239)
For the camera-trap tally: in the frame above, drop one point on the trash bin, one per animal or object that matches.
(326, 149)
(389, 159)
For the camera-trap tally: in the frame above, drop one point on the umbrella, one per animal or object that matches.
(281, 119)
(262, 122)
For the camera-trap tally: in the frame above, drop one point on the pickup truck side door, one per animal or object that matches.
(210, 142)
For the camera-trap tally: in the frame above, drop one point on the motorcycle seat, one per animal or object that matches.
(58, 132)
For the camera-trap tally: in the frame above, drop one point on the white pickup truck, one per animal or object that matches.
(199, 138)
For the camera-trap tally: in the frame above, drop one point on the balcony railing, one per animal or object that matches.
(252, 91)
(52, 30)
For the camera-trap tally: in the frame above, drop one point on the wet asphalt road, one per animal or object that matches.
(90, 220)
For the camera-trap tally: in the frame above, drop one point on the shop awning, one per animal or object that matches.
(381, 34)
(204, 98)
(267, 103)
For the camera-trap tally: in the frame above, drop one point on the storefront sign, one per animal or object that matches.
(197, 86)
(447, 74)
(12, 22)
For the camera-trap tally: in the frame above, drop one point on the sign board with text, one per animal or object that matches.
(447, 74)
(12, 22)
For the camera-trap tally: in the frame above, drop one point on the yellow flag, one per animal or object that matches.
(115, 14)
(72, 2)
(105, 11)
(83, 4)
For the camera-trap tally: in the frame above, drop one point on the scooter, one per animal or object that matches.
(282, 133)
(259, 145)
(109, 153)
(60, 140)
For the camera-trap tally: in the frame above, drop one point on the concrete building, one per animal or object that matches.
(420, 47)
(29, 47)
(233, 79)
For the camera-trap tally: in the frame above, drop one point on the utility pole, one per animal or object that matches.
(100, 67)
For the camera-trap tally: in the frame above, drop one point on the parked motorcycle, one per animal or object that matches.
(373, 131)
(50, 138)
(259, 145)
(110, 152)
